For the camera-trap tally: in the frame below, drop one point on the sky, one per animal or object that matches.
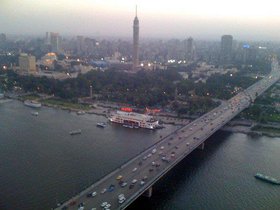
(201, 19)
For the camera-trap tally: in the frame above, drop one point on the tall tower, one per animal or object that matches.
(226, 49)
(135, 42)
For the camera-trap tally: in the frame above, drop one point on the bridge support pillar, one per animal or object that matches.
(148, 193)
(201, 147)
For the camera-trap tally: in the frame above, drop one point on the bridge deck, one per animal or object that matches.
(173, 147)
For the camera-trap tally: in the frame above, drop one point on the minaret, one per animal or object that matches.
(135, 42)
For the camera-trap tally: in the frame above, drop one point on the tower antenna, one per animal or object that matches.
(136, 10)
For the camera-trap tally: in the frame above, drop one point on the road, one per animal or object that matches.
(156, 161)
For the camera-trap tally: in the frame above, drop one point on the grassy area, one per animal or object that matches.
(30, 97)
(266, 129)
(66, 104)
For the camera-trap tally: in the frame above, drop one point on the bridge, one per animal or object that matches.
(137, 176)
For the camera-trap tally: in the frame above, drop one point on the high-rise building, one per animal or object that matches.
(135, 42)
(190, 49)
(2, 38)
(226, 49)
(54, 38)
(47, 41)
(27, 64)
(80, 44)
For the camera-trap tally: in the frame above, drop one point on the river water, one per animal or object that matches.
(41, 164)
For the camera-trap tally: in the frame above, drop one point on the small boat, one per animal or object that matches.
(75, 132)
(267, 179)
(101, 125)
(80, 112)
(127, 126)
(35, 113)
(32, 103)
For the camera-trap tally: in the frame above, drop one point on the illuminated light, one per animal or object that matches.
(142, 64)
(122, 58)
(230, 75)
(78, 60)
(149, 64)
(5, 67)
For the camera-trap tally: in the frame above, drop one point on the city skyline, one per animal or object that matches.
(201, 19)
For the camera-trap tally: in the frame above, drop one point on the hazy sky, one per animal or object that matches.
(202, 19)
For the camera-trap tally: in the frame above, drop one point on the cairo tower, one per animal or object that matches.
(135, 42)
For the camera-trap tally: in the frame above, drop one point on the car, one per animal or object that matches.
(121, 200)
(163, 158)
(134, 181)
(64, 208)
(93, 194)
(149, 155)
(120, 196)
(144, 178)
(190, 129)
(131, 186)
(144, 158)
(93, 209)
(162, 147)
(111, 188)
(123, 184)
(103, 191)
(151, 169)
(142, 183)
(160, 153)
(119, 177)
(188, 144)
(81, 208)
(154, 151)
(104, 204)
(153, 163)
(135, 169)
(107, 206)
(140, 163)
(173, 155)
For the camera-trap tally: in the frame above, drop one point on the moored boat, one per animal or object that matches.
(267, 179)
(80, 112)
(32, 103)
(75, 132)
(35, 113)
(134, 120)
(101, 124)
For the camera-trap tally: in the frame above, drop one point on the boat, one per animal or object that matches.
(80, 112)
(267, 179)
(35, 113)
(127, 126)
(134, 120)
(101, 124)
(75, 132)
(32, 103)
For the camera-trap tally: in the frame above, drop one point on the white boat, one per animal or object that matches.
(35, 113)
(32, 103)
(75, 132)
(80, 112)
(134, 120)
(101, 125)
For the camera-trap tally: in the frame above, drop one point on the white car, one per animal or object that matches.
(107, 206)
(120, 196)
(104, 190)
(104, 204)
(162, 147)
(135, 169)
(142, 183)
(154, 151)
(134, 181)
(149, 155)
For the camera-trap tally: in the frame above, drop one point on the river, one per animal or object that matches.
(41, 164)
